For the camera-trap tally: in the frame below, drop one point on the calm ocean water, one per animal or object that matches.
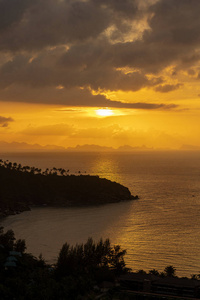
(161, 228)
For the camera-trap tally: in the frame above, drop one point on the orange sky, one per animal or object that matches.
(137, 61)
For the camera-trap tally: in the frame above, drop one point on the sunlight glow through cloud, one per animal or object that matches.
(104, 112)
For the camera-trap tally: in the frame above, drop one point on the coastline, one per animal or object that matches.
(19, 210)
(24, 186)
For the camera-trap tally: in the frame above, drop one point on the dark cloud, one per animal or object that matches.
(141, 105)
(53, 130)
(178, 21)
(167, 88)
(5, 121)
(174, 32)
(74, 110)
(173, 37)
(191, 72)
(174, 27)
(125, 8)
(74, 97)
(32, 25)
(11, 12)
(85, 72)
(43, 23)
(78, 44)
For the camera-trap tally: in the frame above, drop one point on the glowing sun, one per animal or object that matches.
(104, 112)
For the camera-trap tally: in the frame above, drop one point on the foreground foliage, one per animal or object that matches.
(91, 258)
(77, 271)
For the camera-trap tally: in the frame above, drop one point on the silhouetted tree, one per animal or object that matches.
(20, 246)
(9, 242)
(7, 239)
(154, 272)
(19, 167)
(90, 257)
(141, 272)
(117, 262)
(170, 271)
(62, 171)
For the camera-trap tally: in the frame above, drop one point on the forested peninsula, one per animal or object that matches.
(22, 187)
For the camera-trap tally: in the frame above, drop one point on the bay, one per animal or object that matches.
(161, 228)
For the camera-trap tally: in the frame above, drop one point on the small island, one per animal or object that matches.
(22, 187)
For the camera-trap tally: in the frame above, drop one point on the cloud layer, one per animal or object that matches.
(99, 45)
(5, 121)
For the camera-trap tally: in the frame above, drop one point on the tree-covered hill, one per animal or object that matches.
(22, 187)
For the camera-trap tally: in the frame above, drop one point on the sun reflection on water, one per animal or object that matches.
(106, 166)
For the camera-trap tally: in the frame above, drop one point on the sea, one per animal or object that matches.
(159, 229)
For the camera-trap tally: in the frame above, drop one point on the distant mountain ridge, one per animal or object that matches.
(22, 146)
(189, 147)
(89, 148)
(17, 146)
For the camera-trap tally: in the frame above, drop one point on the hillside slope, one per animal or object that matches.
(22, 187)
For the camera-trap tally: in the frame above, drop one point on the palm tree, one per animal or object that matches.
(33, 169)
(170, 271)
(9, 165)
(14, 165)
(19, 167)
(62, 171)
(46, 172)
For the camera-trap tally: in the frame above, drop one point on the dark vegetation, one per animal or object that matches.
(74, 276)
(24, 186)
(81, 272)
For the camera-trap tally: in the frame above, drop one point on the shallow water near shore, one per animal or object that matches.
(161, 228)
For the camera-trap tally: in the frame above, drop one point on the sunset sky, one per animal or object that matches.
(104, 72)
